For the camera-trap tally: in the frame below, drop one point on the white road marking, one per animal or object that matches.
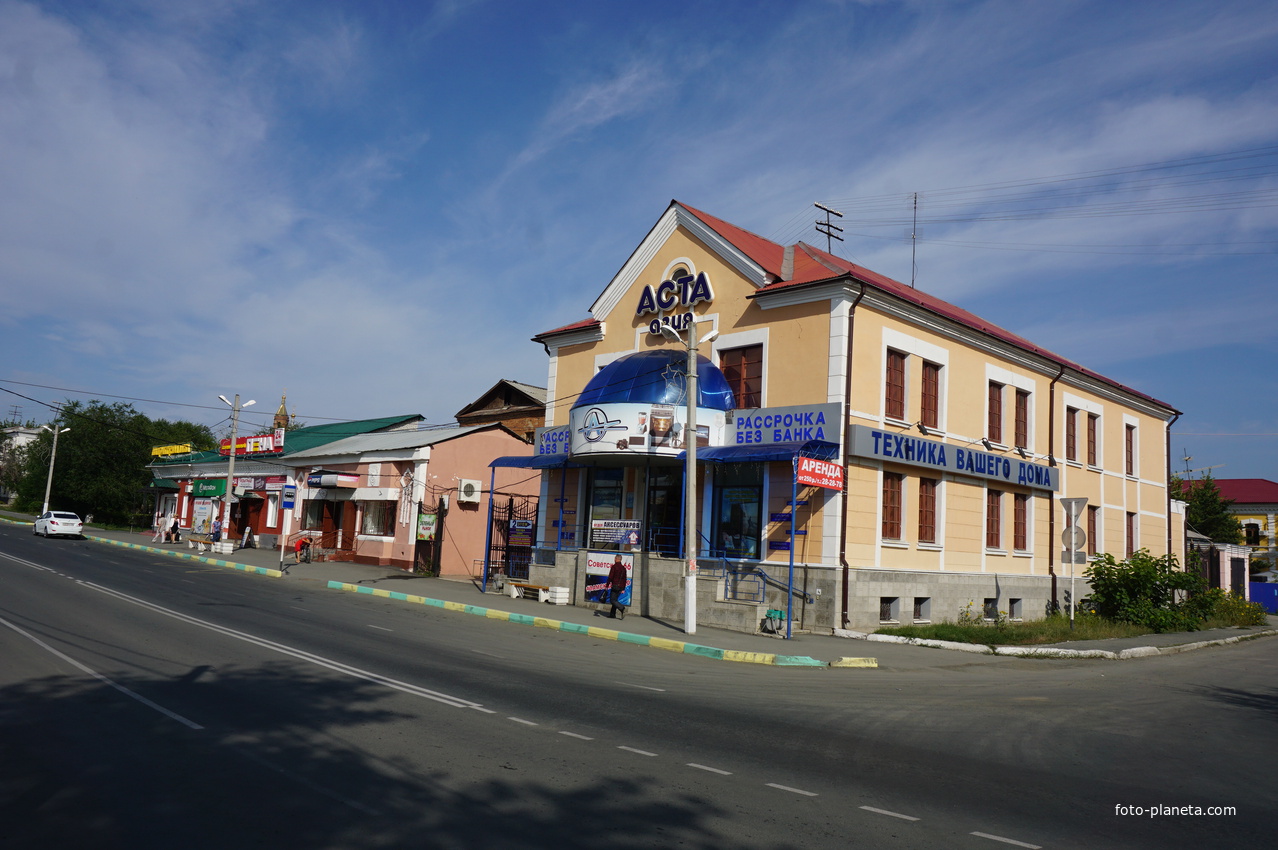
(711, 769)
(791, 790)
(284, 649)
(179, 718)
(523, 721)
(1007, 840)
(484, 710)
(889, 814)
(575, 735)
(637, 752)
(644, 687)
(382, 628)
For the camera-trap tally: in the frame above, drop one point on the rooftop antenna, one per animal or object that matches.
(829, 226)
(914, 241)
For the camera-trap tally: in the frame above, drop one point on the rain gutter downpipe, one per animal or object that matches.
(1051, 455)
(847, 418)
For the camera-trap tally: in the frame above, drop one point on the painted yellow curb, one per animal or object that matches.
(855, 662)
(749, 657)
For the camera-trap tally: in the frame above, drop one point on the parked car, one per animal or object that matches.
(59, 524)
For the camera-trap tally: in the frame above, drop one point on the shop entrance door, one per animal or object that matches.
(665, 511)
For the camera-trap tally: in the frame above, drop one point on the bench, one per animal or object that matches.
(521, 589)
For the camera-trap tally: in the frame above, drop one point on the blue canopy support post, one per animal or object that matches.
(488, 532)
(794, 507)
(559, 528)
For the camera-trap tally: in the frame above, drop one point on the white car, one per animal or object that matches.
(59, 524)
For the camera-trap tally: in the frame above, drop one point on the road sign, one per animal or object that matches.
(1068, 557)
(290, 494)
(1074, 537)
(1073, 508)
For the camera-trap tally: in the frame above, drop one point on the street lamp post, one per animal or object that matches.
(691, 541)
(236, 407)
(48, 486)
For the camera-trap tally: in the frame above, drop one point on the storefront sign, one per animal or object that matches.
(819, 473)
(553, 441)
(206, 488)
(633, 428)
(259, 444)
(669, 294)
(332, 479)
(165, 451)
(931, 454)
(597, 566)
(426, 524)
(626, 532)
(520, 533)
(260, 482)
(800, 423)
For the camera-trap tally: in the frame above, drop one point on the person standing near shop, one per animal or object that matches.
(617, 587)
(161, 528)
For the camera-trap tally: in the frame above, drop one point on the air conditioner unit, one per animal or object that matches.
(468, 491)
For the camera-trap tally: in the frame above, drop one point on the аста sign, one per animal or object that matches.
(916, 451)
(686, 291)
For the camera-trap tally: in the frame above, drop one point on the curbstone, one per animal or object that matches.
(855, 662)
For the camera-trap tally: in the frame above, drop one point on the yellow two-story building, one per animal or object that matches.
(866, 453)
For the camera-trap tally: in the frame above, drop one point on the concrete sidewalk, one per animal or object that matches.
(843, 649)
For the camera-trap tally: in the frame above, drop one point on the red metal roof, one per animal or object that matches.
(811, 265)
(575, 326)
(1248, 491)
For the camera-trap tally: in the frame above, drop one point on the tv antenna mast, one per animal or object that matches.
(829, 226)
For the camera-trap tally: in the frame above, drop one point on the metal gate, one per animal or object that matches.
(514, 533)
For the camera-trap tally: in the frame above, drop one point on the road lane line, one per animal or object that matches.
(575, 735)
(889, 814)
(382, 628)
(523, 721)
(711, 769)
(1006, 840)
(284, 649)
(644, 687)
(637, 752)
(172, 715)
(791, 790)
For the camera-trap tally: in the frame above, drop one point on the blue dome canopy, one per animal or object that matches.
(656, 377)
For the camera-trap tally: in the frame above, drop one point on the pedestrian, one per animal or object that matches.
(217, 530)
(175, 532)
(301, 549)
(161, 524)
(616, 587)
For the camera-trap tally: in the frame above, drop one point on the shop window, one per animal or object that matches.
(739, 498)
(927, 510)
(743, 368)
(922, 609)
(1093, 438)
(272, 511)
(379, 518)
(1020, 522)
(1129, 449)
(994, 425)
(606, 492)
(930, 412)
(993, 519)
(313, 515)
(889, 609)
(892, 486)
(1071, 433)
(1022, 418)
(1093, 529)
(894, 393)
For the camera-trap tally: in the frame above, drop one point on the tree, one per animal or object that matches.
(101, 464)
(1208, 513)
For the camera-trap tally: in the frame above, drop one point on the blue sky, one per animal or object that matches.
(376, 205)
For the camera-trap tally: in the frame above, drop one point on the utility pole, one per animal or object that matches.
(48, 486)
(230, 466)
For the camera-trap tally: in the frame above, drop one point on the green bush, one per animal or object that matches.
(1233, 610)
(1148, 591)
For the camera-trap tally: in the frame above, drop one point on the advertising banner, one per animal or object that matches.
(632, 428)
(259, 444)
(795, 424)
(597, 566)
(819, 473)
(426, 524)
(626, 532)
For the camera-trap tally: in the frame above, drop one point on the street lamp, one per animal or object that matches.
(690, 472)
(55, 430)
(230, 466)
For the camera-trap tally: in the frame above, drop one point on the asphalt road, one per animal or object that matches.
(148, 703)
